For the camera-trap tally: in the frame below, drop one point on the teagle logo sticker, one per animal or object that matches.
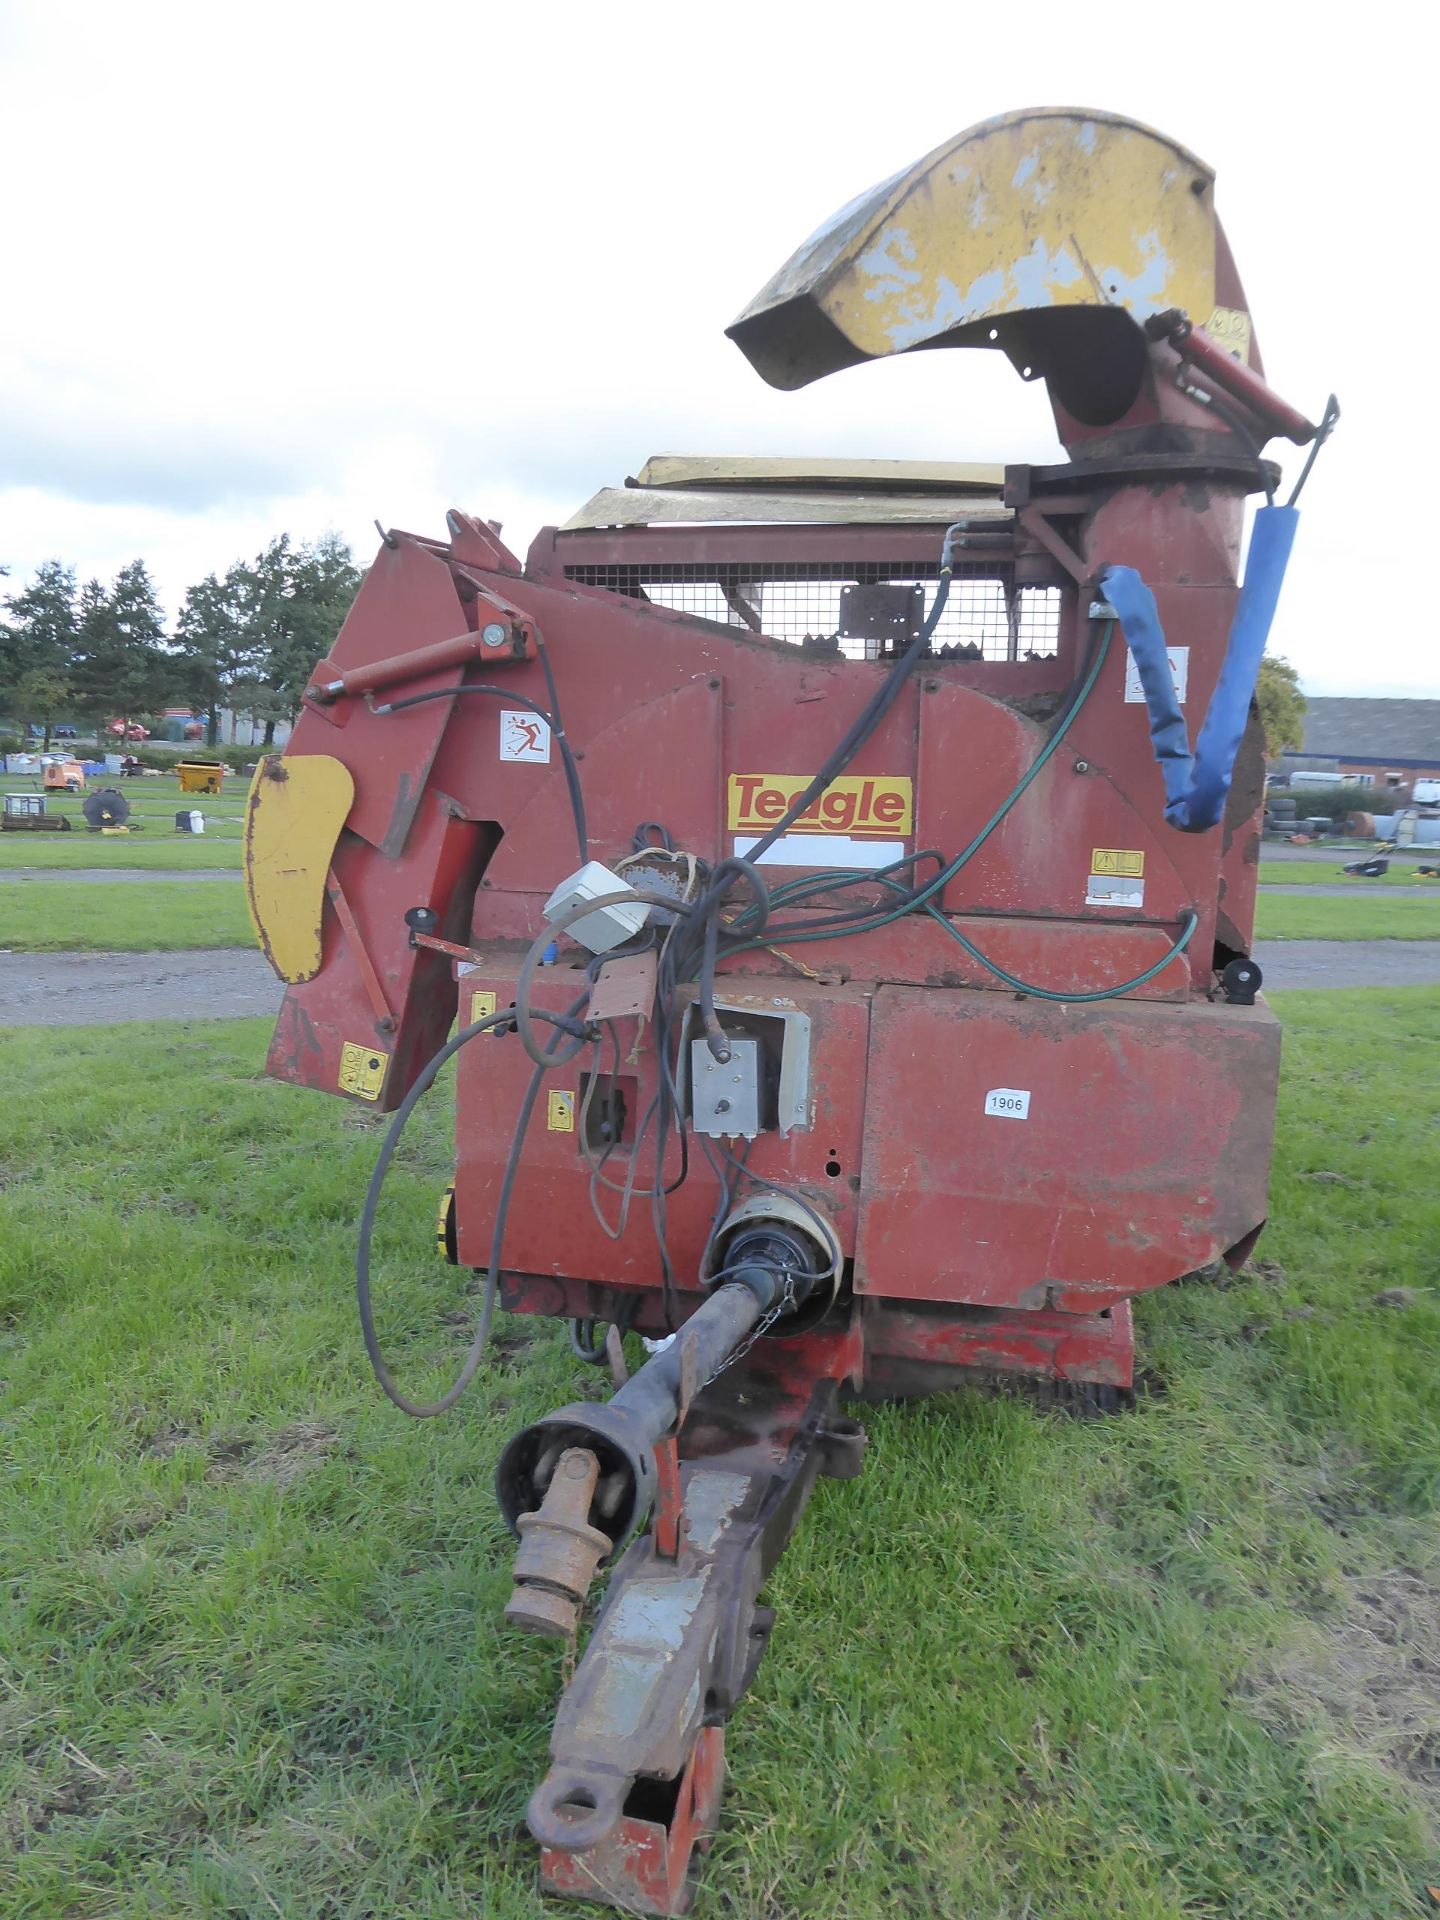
(860, 806)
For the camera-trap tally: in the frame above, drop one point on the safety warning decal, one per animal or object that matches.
(1179, 658)
(1117, 877)
(1129, 860)
(1114, 890)
(560, 1113)
(362, 1070)
(1229, 327)
(524, 736)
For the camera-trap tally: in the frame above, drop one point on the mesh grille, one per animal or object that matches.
(985, 612)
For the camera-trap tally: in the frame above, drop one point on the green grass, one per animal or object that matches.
(1280, 918)
(249, 1654)
(77, 916)
(1324, 873)
(61, 851)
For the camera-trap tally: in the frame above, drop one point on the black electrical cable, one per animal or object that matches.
(1184, 379)
(870, 920)
(551, 719)
(567, 758)
(743, 870)
(549, 932)
(870, 716)
(421, 1409)
(583, 1343)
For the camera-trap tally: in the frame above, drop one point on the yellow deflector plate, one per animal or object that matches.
(293, 816)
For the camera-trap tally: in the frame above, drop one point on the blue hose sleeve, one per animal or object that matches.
(1196, 785)
(1145, 637)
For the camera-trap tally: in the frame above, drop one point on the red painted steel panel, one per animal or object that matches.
(1071, 1155)
(408, 600)
(552, 1227)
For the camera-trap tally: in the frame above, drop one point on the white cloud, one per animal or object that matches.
(294, 266)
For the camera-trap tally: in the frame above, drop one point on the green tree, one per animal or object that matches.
(216, 650)
(121, 669)
(300, 595)
(37, 645)
(1282, 706)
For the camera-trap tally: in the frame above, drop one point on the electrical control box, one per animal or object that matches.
(610, 926)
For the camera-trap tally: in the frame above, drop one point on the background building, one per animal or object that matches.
(1385, 744)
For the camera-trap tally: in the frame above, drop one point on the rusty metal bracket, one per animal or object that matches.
(633, 1790)
(374, 990)
(1036, 523)
(669, 1521)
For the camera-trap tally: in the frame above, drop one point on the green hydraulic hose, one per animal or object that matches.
(925, 896)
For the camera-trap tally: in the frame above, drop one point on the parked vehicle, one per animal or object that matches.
(63, 775)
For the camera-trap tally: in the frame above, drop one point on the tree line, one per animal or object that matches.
(245, 641)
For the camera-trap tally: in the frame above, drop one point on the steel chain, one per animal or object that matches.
(785, 1304)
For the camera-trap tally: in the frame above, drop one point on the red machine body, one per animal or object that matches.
(1142, 1151)
(1003, 1140)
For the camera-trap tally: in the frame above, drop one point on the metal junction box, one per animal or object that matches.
(725, 1094)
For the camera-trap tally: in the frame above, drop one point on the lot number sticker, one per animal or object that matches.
(1008, 1103)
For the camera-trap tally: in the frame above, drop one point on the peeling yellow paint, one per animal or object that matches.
(1049, 208)
(293, 816)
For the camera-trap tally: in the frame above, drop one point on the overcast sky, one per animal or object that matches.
(289, 267)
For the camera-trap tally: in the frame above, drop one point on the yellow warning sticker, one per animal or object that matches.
(1229, 327)
(1124, 860)
(560, 1113)
(482, 1005)
(362, 1070)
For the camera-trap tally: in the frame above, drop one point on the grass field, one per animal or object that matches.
(1372, 918)
(1173, 1666)
(153, 806)
(153, 843)
(1328, 873)
(176, 851)
(74, 916)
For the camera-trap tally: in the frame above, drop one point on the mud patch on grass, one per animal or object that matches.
(124, 1529)
(1366, 1682)
(39, 1803)
(293, 1452)
(167, 1441)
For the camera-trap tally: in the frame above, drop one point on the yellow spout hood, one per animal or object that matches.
(1052, 208)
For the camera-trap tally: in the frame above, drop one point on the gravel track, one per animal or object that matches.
(99, 989)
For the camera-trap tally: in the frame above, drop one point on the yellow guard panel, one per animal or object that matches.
(1054, 207)
(293, 816)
